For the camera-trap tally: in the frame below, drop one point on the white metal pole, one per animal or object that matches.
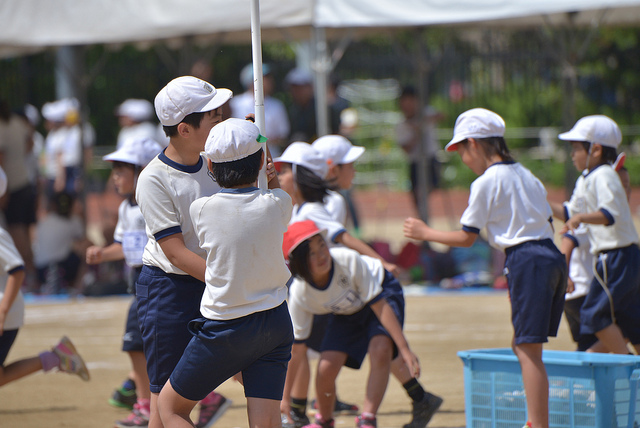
(258, 85)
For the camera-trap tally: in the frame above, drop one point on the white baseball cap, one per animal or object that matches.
(135, 109)
(337, 149)
(303, 154)
(476, 123)
(598, 129)
(299, 76)
(233, 139)
(54, 111)
(185, 95)
(136, 151)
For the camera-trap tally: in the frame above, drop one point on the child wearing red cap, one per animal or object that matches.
(366, 304)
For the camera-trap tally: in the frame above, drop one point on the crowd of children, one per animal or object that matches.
(218, 264)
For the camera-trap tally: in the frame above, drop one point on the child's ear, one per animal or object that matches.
(210, 165)
(183, 129)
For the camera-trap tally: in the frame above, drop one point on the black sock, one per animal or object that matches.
(299, 406)
(414, 390)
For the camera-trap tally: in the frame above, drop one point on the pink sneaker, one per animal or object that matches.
(139, 417)
(70, 360)
(211, 408)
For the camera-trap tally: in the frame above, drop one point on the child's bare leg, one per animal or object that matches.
(19, 369)
(380, 354)
(174, 410)
(536, 383)
(300, 387)
(400, 370)
(263, 413)
(139, 374)
(154, 415)
(598, 347)
(328, 368)
(612, 338)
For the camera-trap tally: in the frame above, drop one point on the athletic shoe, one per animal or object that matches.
(298, 420)
(211, 408)
(319, 423)
(527, 425)
(139, 417)
(70, 360)
(424, 410)
(362, 422)
(125, 396)
(340, 408)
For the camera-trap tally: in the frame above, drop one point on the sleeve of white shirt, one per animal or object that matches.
(301, 318)
(610, 194)
(157, 207)
(118, 233)
(9, 256)
(480, 198)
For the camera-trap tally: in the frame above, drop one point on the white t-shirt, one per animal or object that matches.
(164, 193)
(355, 281)
(336, 206)
(242, 231)
(9, 260)
(54, 145)
(511, 203)
(55, 236)
(276, 120)
(601, 190)
(581, 264)
(131, 232)
(316, 211)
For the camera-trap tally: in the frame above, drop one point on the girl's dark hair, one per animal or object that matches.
(495, 146)
(239, 172)
(193, 119)
(312, 187)
(299, 262)
(609, 154)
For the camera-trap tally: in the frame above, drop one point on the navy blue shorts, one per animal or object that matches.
(623, 282)
(166, 305)
(258, 345)
(6, 342)
(537, 278)
(572, 313)
(318, 329)
(21, 207)
(351, 334)
(132, 339)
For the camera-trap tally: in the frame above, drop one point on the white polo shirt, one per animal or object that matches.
(9, 260)
(131, 232)
(317, 212)
(336, 206)
(164, 193)
(601, 190)
(355, 281)
(511, 203)
(241, 231)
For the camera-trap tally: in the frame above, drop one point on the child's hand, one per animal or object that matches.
(416, 229)
(571, 287)
(271, 170)
(571, 224)
(411, 360)
(94, 255)
(391, 267)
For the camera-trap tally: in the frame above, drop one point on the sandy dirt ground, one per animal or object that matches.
(437, 326)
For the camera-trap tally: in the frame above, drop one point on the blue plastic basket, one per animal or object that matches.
(585, 390)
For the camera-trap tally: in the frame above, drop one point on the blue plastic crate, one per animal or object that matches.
(586, 390)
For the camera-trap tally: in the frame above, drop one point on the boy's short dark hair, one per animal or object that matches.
(495, 146)
(299, 262)
(609, 154)
(193, 119)
(239, 172)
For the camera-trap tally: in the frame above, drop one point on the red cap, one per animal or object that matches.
(296, 234)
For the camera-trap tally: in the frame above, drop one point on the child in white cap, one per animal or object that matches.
(341, 156)
(611, 309)
(173, 271)
(129, 240)
(511, 203)
(63, 356)
(245, 324)
(134, 118)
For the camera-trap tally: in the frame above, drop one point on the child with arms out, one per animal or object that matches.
(246, 326)
(130, 239)
(366, 307)
(510, 202)
(63, 356)
(611, 309)
(171, 282)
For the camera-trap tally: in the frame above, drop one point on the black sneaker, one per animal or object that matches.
(340, 408)
(299, 420)
(125, 396)
(424, 410)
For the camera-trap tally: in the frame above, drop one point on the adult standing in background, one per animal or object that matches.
(19, 203)
(302, 112)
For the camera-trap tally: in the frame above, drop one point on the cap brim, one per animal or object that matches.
(571, 136)
(353, 154)
(222, 96)
(451, 146)
(119, 156)
(303, 238)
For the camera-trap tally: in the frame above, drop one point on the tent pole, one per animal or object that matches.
(258, 81)
(321, 67)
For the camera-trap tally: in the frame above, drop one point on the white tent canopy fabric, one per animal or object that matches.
(29, 24)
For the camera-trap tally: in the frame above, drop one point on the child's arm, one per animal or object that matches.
(558, 210)
(389, 321)
(14, 282)
(358, 245)
(596, 217)
(96, 254)
(181, 257)
(566, 247)
(417, 229)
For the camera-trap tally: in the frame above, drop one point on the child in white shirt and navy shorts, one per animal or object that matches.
(245, 325)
